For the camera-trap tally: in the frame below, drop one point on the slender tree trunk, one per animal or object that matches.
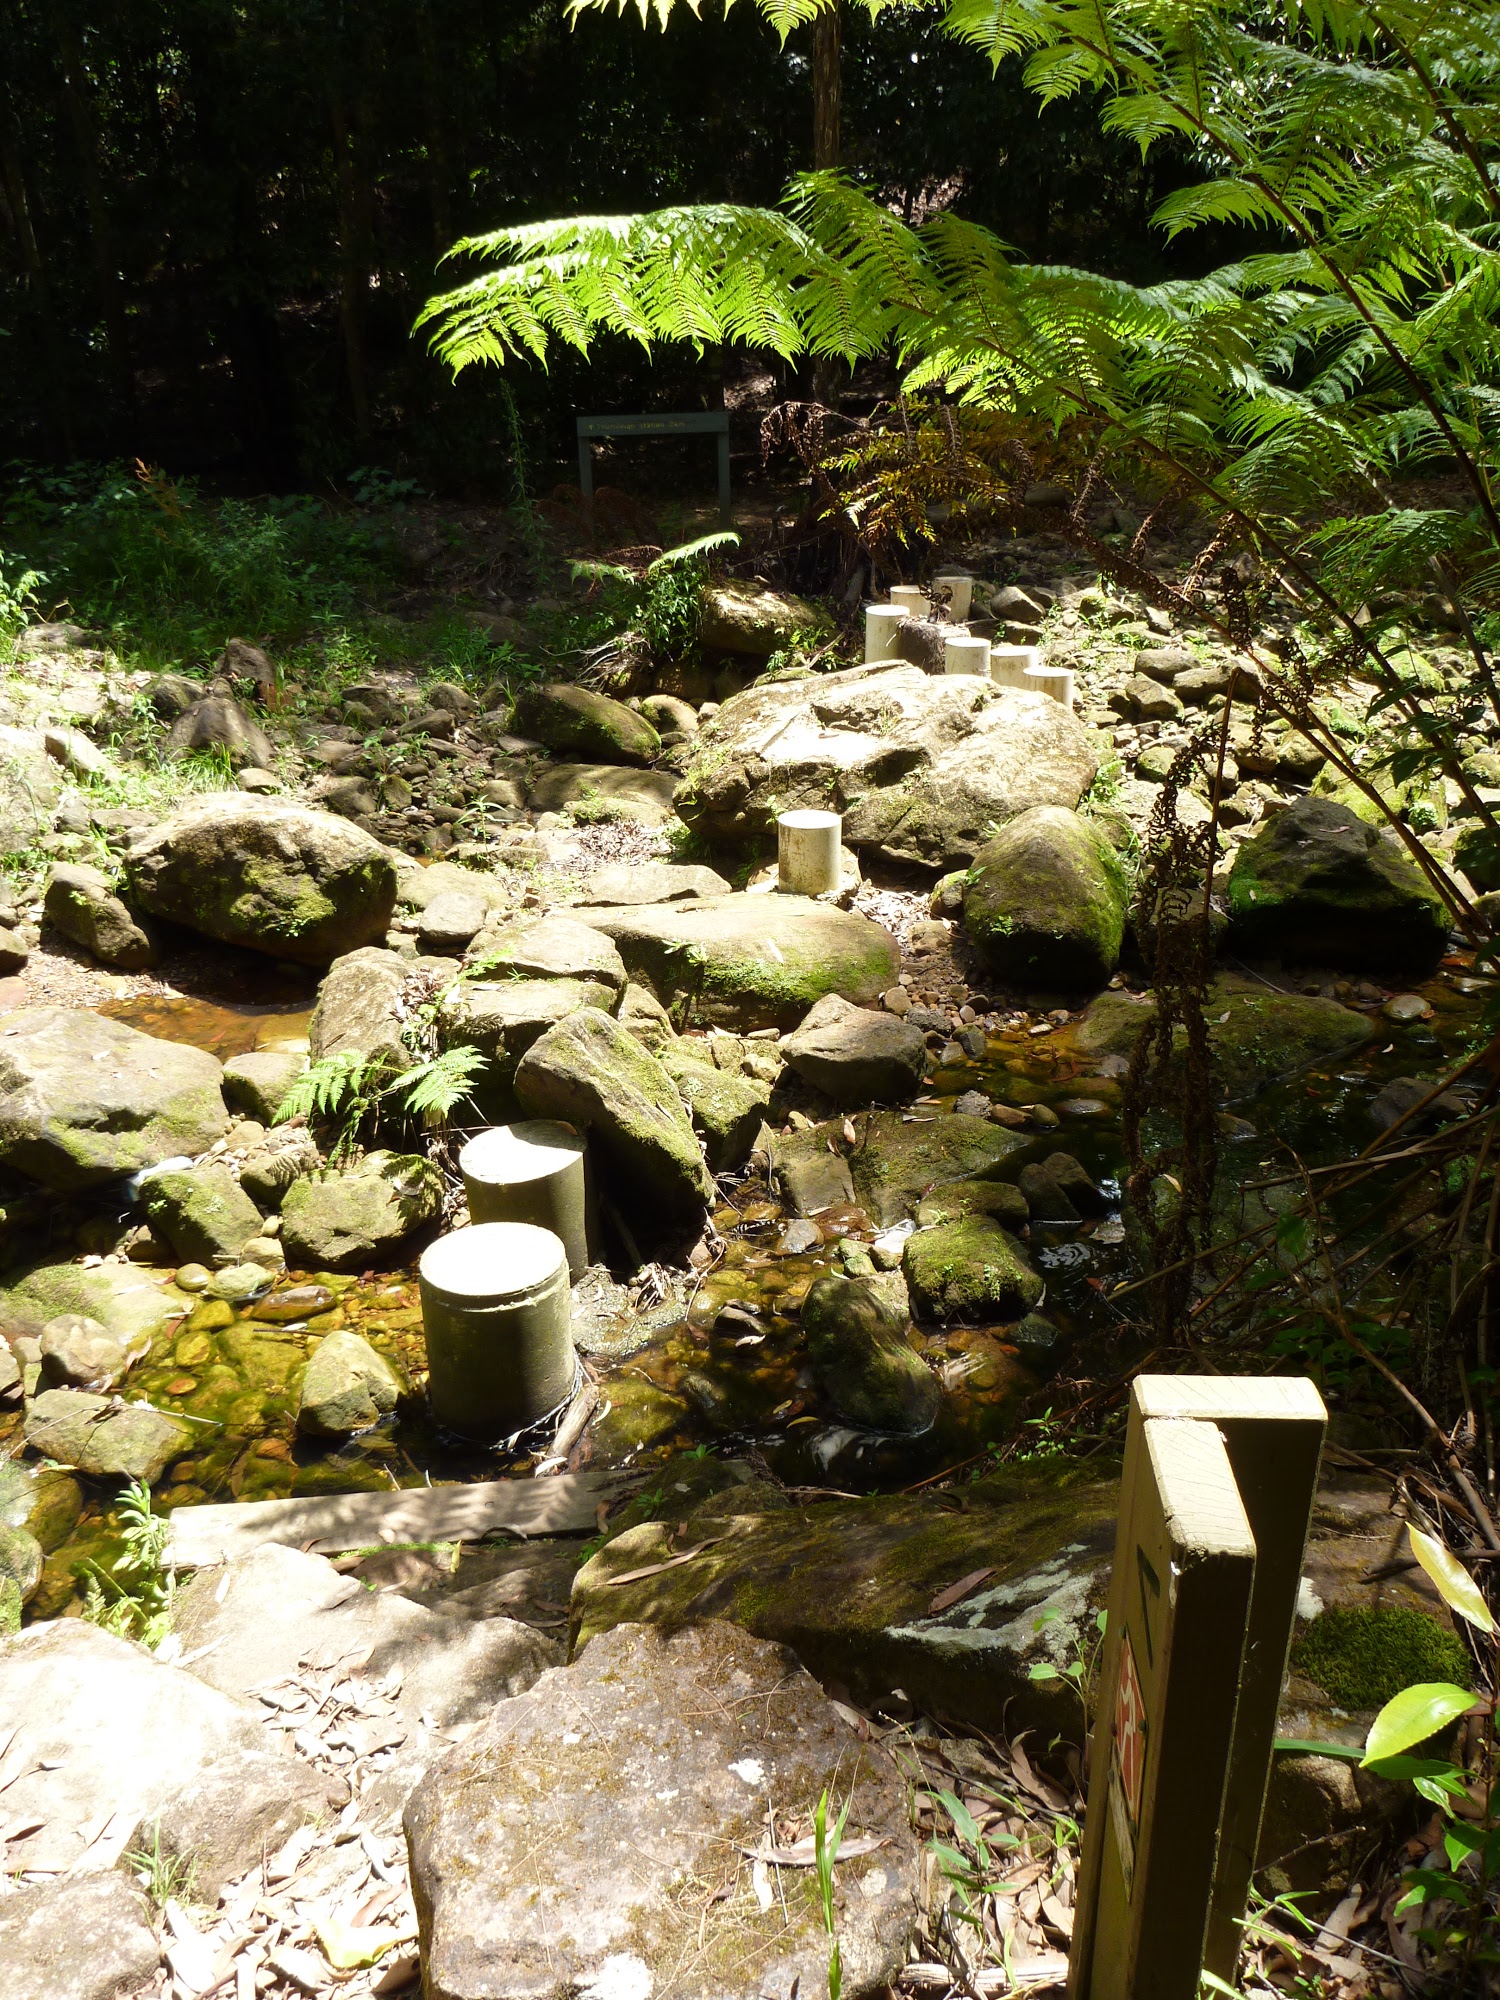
(436, 138)
(13, 179)
(828, 91)
(101, 227)
(354, 283)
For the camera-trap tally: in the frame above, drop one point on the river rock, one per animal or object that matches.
(727, 1111)
(752, 619)
(595, 1075)
(922, 766)
(255, 1620)
(654, 882)
(418, 886)
(589, 726)
(1000, 1200)
(335, 1221)
(82, 1937)
(855, 1054)
(893, 1163)
(123, 1735)
(502, 1018)
(269, 874)
(358, 1008)
(257, 1081)
(104, 1438)
(203, 1212)
(347, 1387)
(1321, 886)
(612, 791)
(170, 695)
(84, 1099)
(79, 1353)
(1060, 1189)
(1046, 900)
(125, 1299)
(81, 903)
(450, 922)
(969, 1269)
(40, 1499)
(549, 1850)
(749, 961)
(856, 1342)
(30, 786)
(217, 722)
(20, 1561)
(555, 946)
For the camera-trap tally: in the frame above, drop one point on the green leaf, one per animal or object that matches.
(1305, 1746)
(1455, 1585)
(1412, 1716)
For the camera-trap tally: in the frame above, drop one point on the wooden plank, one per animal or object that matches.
(1273, 1429)
(1164, 1728)
(328, 1523)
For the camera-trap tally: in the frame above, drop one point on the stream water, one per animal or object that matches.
(672, 1374)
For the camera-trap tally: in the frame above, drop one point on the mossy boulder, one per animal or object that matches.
(82, 904)
(895, 1161)
(203, 1213)
(255, 1083)
(859, 1352)
(1257, 1037)
(857, 1054)
(1362, 1657)
(349, 1221)
(504, 1017)
(347, 1387)
(594, 1074)
(752, 619)
(585, 725)
(84, 1099)
(125, 1299)
(727, 1111)
(749, 961)
(1002, 1201)
(969, 1269)
(1046, 901)
(267, 874)
(102, 1438)
(40, 1499)
(1319, 885)
(20, 1561)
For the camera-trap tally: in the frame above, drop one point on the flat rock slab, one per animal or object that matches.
(631, 794)
(624, 883)
(111, 1743)
(329, 1523)
(749, 961)
(82, 1938)
(597, 1834)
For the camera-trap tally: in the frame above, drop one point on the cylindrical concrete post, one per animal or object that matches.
(882, 623)
(914, 597)
(960, 588)
(1008, 664)
(964, 654)
(1056, 681)
(532, 1172)
(807, 852)
(498, 1318)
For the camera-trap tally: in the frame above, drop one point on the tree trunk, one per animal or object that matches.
(354, 280)
(101, 228)
(828, 35)
(13, 179)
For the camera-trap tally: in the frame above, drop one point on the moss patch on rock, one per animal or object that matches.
(1362, 1658)
(1046, 901)
(969, 1269)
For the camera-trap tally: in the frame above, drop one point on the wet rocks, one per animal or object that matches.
(81, 903)
(257, 1081)
(347, 1387)
(83, 1099)
(1046, 901)
(749, 961)
(40, 1499)
(1005, 1203)
(103, 1438)
(856, 1055)
(1060, 1189)
(751, 618)
(268, 874)
(123, 1298)
(893, 1163)
(969, 1269)
(82, 1937)
(594, 1074)
(1322, 886)
(118, 1739)
(450, 922)
(79, 1353)
(548, 1850)
(922, 766)
(727, 1111)
(1143, 699)
(857, 1345)
(588, 726)
(334, 1221)
(203, 1213)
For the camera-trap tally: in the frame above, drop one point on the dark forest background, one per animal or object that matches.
(218, 218)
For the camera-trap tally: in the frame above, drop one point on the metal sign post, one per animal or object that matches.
(1214, 1506)
(680, 423)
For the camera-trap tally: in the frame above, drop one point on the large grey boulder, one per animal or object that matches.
(116, 1740)
(347, 1387)
(865, 1366)
(103, 1437)
(217, 722)
(749, 961)
(654, 882)
(267, 873)
(594, 1074)
(84, 1099)
(203, 1212)
(1320, 885)
(82, 1937)
(751, 618)
(1046, 900)
(350, 1221)
(549, 1850)
(254, 1621)
(585, 725)
(922, 766)
(81, 903)
(856, 1055)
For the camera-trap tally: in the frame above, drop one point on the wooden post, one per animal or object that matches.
(1214, 1505)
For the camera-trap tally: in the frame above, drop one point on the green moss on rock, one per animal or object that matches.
(969, 1269)
(1362, 1658)
(1046, 901)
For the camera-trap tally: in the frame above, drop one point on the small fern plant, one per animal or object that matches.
(133, 1597)
(347, 1093)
